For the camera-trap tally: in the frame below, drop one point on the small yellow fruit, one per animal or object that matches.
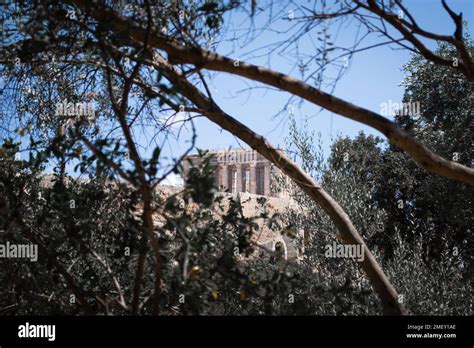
(214, 294)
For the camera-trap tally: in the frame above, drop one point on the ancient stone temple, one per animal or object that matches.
(242, 171)
(248, 175)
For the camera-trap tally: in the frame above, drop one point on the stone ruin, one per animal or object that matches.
(248, 176)
(242, 171)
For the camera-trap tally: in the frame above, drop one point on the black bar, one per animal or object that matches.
(290, 331)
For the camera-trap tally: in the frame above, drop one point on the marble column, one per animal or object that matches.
(223, 181)
(252, 179)
(238, 168)
(267, 179)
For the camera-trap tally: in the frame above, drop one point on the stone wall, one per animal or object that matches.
(252, 206)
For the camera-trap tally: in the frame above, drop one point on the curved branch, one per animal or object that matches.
(349, 234)
(408, 30)
(203, 58)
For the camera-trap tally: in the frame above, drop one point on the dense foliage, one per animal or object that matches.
(112, 242)
(418, 224)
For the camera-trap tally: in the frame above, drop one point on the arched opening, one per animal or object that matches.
(280, 250)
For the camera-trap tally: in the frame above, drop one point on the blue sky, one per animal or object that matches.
(373, 78)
